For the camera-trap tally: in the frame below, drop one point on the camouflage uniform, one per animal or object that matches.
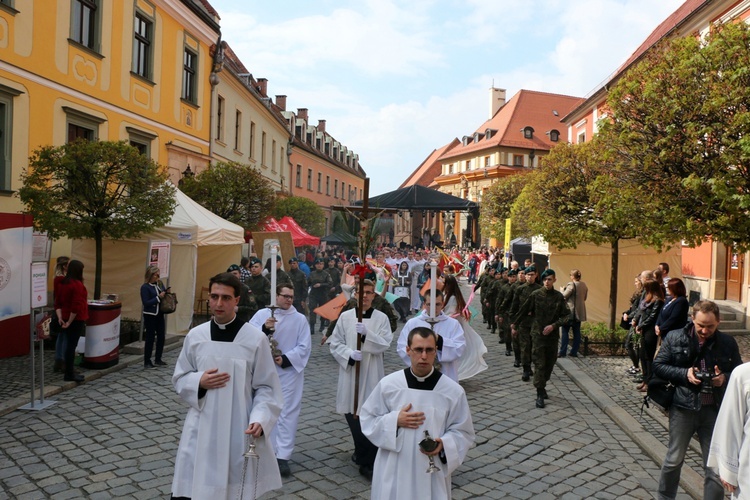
(260, 292)
(483, 286)
(299, 282)
(503, 326)
(505, 308)
(318, 296)
(546, 307)
(523, 325)
(493, 287)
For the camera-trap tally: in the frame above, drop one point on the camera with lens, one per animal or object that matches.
(706, 377)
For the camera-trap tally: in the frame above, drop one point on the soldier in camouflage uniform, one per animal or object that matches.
(335, 273)
(299, 281)
(493, 287)
(320, 283)
(521, 323)
(549, 312)
(484, 285)
(502, 326)
(518, 278)
(259, 286)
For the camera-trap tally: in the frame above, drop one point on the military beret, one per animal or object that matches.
(530, 269)
(255, 260)
(548, 272)
(233, 267)
(318, 261)
(513, 272)
(293, 259)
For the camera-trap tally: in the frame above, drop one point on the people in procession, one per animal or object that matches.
(226, 375)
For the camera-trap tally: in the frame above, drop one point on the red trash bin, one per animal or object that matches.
(102, 348)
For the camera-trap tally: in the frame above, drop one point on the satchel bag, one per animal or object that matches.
(660, 392)
(168, 303)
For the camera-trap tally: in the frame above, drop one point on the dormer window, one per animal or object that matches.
(465, 140)
(554, 135)
(488, 133)
(476, 136)
(528, 133)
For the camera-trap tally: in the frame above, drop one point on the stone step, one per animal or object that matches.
(137, 347)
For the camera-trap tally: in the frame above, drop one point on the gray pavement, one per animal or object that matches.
(115, 436)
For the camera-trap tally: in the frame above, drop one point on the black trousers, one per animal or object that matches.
(154, 327)
(363, 448)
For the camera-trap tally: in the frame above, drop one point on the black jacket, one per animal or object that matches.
(679, 351)
(673, 315)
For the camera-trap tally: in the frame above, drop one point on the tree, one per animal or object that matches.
(234, 192)
(306, 212)
(497, 204)
(576, 195)
(682, 123)
(88, 189)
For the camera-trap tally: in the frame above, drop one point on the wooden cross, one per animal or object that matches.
(365, 216)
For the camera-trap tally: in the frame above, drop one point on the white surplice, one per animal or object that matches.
(472, 360)
(454, 342)
(209, 462)
(400, 468)
(343, 341)
(293, 337)
(730, 445)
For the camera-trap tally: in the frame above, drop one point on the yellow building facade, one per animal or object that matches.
(132, 70)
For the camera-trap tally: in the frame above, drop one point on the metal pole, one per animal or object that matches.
(31, 348)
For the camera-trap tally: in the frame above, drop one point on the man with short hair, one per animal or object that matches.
(451, 342)
(521, 323)
(260, 287)
(698, 361)
(226, 374)
(299, 281)
(374, 336)
(320, 283)
(292, 334)
(548, 311)
(404, 406)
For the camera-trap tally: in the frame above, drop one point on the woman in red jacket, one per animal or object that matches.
(72, 307)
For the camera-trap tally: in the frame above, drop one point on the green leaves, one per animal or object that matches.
(306, 212)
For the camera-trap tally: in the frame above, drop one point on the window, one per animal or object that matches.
(252, 145)
(450, 168)
(141, 140)
(328, 185)
(6, 134)
(343, 190)
(528, 133)
(298, 182)
(320, 182)
(142, 46)
(581, 137)
(468, 165)
(220, 119)
(273, 156)
(189, 80)
(309, 179)
(7, 3)
(81, 125)
(518, 160)
(263, 149)
(237, 129)
(554, 135)
(335, 188)
(84, 23)
(486, 161)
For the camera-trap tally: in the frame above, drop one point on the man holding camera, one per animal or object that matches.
(698, 360)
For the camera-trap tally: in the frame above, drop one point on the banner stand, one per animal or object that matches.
(41, 403)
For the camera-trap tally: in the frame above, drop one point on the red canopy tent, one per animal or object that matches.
(272, 224)
(299, 235)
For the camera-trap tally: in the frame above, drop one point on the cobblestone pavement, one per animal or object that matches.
(116, 437)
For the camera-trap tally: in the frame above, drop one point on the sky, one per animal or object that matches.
(397, 79)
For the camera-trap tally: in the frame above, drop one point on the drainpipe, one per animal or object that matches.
(213, 80)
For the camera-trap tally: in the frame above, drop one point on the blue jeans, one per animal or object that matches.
(682, 425)
(60, 345)
(576, 339)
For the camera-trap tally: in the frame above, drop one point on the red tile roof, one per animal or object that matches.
(430, 168)
(528, 108)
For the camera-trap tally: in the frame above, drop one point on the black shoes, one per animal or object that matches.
(75, 378)
(355, 460)
(516, 364)
(160, 363)
(366, 471)
(543, 393)
(284, 469)
(148, 364)
(508, 353)
(526, 376)
(539, 402)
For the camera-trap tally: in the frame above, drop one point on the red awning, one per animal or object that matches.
(299, 235)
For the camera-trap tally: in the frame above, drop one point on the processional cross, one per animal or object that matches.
(365, 217)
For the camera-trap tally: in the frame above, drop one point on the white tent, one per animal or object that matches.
(595, 263)
(203, 244)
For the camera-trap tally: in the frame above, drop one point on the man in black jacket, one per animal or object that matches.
(698, 360)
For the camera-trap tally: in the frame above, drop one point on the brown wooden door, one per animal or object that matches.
(735, 270)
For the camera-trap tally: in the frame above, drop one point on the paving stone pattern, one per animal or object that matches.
(116, 437)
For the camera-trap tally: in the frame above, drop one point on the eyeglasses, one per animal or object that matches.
(422, 350)
(287, 297)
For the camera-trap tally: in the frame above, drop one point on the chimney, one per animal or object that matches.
(263, 86)
(321, 125)
(281, 102)
(302, 114)
(497, 100)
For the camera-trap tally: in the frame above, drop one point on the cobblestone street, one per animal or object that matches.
(116, 436)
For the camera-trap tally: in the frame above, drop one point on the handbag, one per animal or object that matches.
(168, 303)
(660, 392)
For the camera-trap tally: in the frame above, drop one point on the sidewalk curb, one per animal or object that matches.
(691, 481)
(54, 388)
